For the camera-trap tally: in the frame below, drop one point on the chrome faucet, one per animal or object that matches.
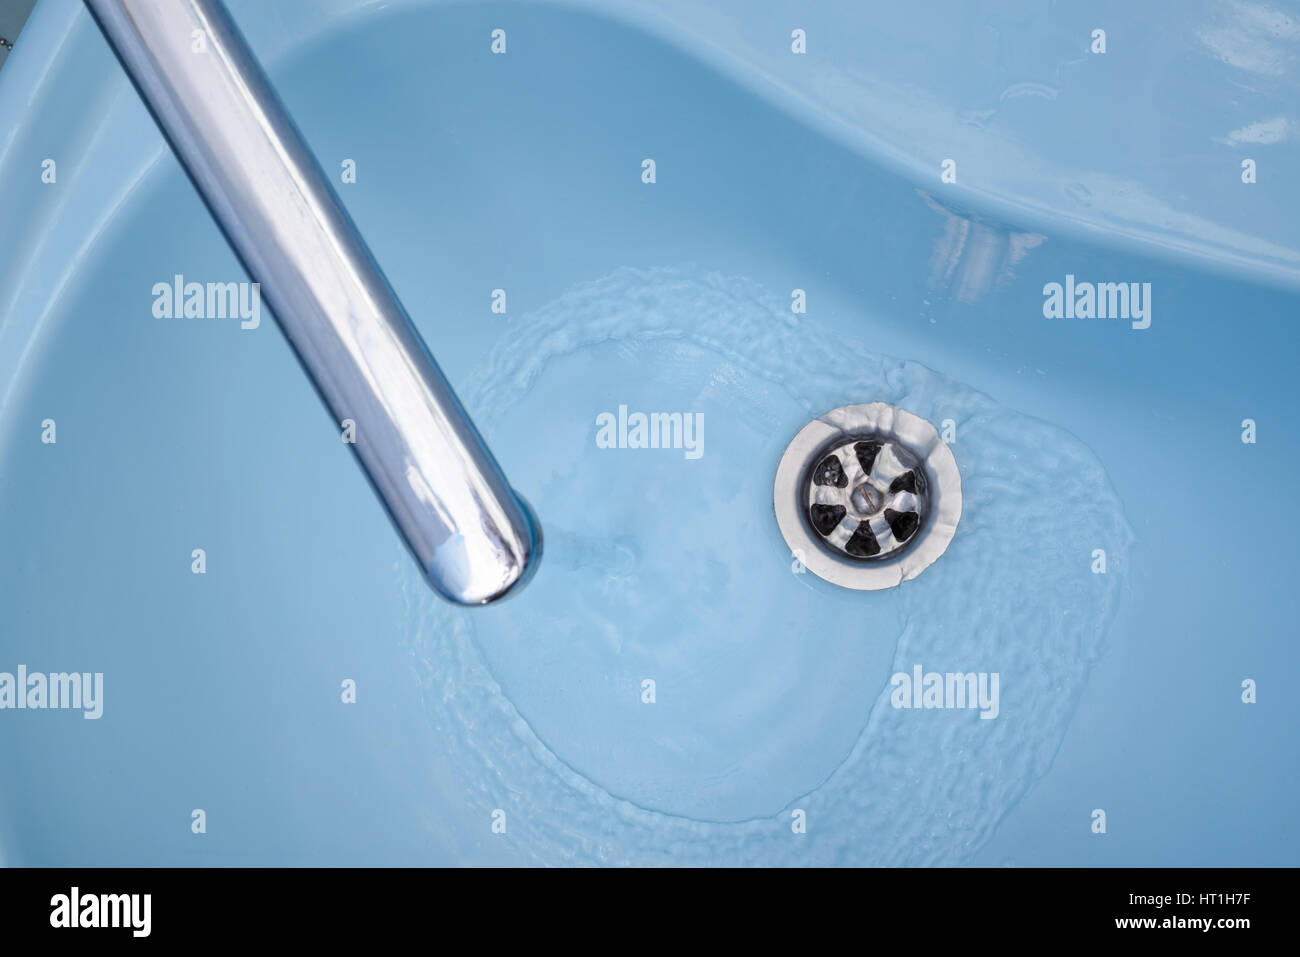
(473, 536)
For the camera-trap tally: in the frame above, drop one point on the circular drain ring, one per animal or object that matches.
(917, 445)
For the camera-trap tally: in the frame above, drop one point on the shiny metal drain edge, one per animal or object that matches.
(898, 425)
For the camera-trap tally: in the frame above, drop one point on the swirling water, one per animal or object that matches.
(771, 688)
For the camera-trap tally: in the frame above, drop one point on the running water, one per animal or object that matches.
(770, 691)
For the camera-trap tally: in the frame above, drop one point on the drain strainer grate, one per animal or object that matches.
(868, 496)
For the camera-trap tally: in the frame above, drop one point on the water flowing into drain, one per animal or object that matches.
(679, 574)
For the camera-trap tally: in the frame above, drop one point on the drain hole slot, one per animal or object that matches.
(862, 543)
(906, 482)
(826, 517)
(866, 453)
(830, 472)
(902, 524)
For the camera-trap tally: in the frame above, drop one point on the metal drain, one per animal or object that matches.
(867, 496)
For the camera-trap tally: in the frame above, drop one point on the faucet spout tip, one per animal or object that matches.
(450, 574)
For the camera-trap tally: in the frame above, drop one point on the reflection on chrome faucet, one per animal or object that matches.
(473, 536)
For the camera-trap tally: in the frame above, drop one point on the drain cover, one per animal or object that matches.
(868, 496)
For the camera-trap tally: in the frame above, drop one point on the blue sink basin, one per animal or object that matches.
(179, 517)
